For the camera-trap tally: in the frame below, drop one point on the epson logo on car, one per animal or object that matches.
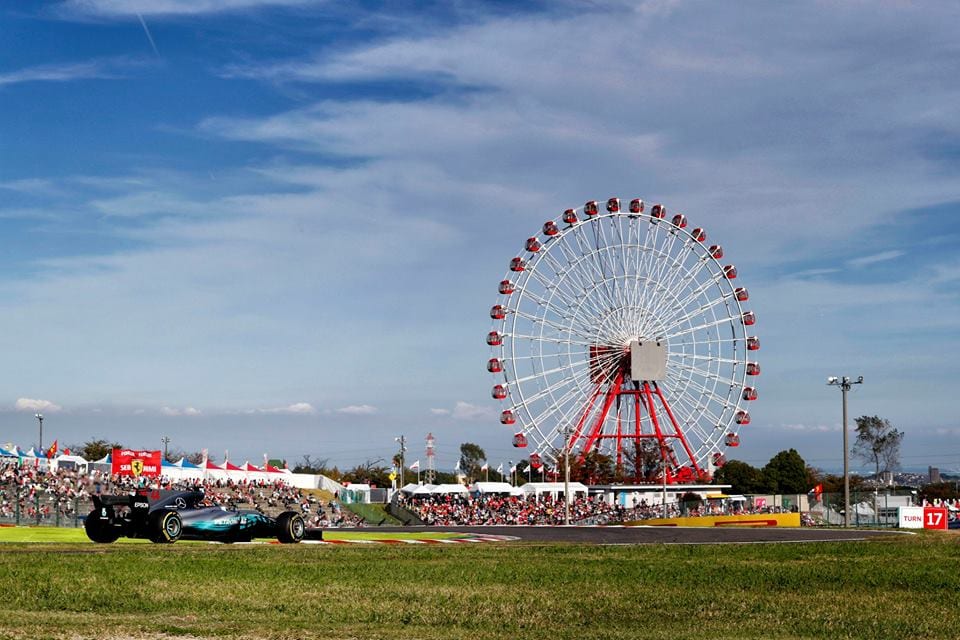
(141, 505)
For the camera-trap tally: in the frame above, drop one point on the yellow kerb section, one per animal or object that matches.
(751, 520)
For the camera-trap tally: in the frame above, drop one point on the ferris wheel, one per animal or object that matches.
(622, 332)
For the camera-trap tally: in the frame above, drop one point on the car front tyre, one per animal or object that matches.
(291, 527)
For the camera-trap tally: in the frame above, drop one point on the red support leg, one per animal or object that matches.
(612, 394)
(676, 428)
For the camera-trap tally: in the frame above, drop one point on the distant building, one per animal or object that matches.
(934, 474)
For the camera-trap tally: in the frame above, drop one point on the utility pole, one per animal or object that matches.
(844, 383)
(403, 450)
(567, 432)
(39, 417)
(431, 441)
(165, 440)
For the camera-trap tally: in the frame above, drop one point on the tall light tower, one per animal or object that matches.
(845, 383)
(39, 417)
(567, 432)
(431, 441)
(402, 441)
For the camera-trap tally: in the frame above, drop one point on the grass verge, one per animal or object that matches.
(61, 535)
(898, 587)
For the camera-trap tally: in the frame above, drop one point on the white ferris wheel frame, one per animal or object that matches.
(605, 280)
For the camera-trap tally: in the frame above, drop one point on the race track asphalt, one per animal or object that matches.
(659, 535)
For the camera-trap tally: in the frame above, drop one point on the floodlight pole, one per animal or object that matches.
(39, 418)
(663, 466)
(844, 383)
(566, 475)
(403, 448)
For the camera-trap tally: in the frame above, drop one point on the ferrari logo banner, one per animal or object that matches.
(133, 462)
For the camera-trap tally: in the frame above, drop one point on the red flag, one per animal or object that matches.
(817, 492)
(52, 451)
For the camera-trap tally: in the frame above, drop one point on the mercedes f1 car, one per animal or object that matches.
(168, 516)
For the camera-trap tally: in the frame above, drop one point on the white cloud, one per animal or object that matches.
(124, 8)
(297, 408)
(810, 428)
(66, 72)
(36, 406)
(186, 411)
(358, 410)
(883, 256)
(466, 411)
(440, 412)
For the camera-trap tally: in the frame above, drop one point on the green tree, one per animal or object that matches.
(643, 461)
(786, 473)
(592, 468)
(95, 449)
(309, 464)
(472, 457)
(370, 472)
(940, 490)
(743, 477)
(878, 442)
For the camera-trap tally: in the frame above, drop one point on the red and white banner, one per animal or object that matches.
(134, 462)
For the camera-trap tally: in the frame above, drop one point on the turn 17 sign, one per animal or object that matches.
(922, 518)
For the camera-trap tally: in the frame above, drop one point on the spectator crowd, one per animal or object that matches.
(42, 496)
(494, 509)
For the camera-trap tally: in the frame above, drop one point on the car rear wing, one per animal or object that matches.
(138, 503)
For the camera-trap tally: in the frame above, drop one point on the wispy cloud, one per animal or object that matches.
(176, 412)
(34, 405)
(297, 408)
(123, 8)
(809, 428)
(358, 410)
(67, 72)
(467, 411)
(883, 256)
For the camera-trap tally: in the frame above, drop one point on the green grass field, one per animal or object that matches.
(55, 534)
(899, 587)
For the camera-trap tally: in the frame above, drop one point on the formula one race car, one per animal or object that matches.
(168, 516)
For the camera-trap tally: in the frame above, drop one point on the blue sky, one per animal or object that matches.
(278, 227)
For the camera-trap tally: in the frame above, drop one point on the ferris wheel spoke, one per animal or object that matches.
(590, 253)
(549, 390)
(690, 408)
(540, 374)
(702, 390)
(564, 290)
(691, 314)
(700, 327)
(707, 374)
(688, 278)
(571, 293)
(560, 328)
(550, 339)
(672, 315)
(696, 356)
(563, 412)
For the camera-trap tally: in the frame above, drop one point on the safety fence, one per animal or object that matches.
(43, 510)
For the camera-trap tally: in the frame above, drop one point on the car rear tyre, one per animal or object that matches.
(100, 531)
(291, 527)
(165, 527)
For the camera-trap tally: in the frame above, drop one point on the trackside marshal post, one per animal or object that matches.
(136, 463)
